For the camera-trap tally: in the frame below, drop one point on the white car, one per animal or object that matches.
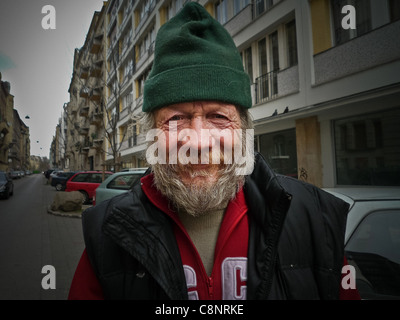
(372, 239)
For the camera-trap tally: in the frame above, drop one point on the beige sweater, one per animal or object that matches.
(204, 231)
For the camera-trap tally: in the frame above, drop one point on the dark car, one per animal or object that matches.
(59, 181)
(6, 185)
(14, 175)
(48, 172)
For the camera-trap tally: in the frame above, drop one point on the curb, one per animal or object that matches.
(73, 214)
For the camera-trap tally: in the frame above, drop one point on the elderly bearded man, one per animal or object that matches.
(202, 230)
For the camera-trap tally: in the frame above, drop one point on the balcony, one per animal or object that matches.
(84, 92)
(83, 111)
(84, 129)
(96, 43)
(145, 55)
(98, 142)
(266, 87)
(365, 53)
(95, 94)
(96, 70)
(96, 118)
(276, 84)
(144, 17)
(84, 72)
(240, 21)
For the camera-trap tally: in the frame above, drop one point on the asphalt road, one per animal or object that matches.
(31, 238)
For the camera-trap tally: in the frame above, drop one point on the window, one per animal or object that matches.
(248, 63)
(123, 182)
(238, 5)
(268, 67)
(279, 148)
(178, 5)
(262, 5)
(274, 48)
(96, 178)
(83, 177)
(291, 43)
(221, 9)
(141, 81)
(366, 149)
(127, 100)
(374, 251)
(132, 140)
(363, 19)
(169, 12)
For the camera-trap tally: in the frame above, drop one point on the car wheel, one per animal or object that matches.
(12, 191)
(85, 197)
(59, 187)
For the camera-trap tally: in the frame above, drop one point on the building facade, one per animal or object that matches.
(325, 83)
(84, 120)
(14, 134)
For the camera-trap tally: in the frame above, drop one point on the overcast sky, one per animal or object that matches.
(38, 62)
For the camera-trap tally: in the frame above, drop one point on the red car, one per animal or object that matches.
(86, 182)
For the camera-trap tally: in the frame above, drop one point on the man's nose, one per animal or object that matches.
(199, 134)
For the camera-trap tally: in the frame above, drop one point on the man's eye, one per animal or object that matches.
(219, 116)
(175, 118)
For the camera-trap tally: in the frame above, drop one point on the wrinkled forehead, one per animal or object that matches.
(197, 108)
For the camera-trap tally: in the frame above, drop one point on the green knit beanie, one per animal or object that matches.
(195, 59)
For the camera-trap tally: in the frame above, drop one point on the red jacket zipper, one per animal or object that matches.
(210, 287)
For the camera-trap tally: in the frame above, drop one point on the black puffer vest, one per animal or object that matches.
(296, 241)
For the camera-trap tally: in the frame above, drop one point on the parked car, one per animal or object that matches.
(54, 174)
(14, 175)
(118, 183)
(372, 239)
(59, 181)
(86, 182)
(48, 172)
(6, 185)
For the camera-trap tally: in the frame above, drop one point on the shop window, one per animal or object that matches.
(367, 149)
(279, 149)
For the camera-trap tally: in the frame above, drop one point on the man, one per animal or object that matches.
(200, 225)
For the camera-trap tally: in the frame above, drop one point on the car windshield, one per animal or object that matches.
(3, 177)
(123, 182)
(374, 250)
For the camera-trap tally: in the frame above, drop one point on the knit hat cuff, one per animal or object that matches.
(197, 83)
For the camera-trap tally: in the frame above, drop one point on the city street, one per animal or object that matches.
(31, 238)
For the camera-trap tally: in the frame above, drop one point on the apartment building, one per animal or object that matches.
(84, 122)
(325, 96)
(58, 145)
(6, 124)
(130, 34)
(14, 134)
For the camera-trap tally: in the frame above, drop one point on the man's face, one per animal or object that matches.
(198, 128)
